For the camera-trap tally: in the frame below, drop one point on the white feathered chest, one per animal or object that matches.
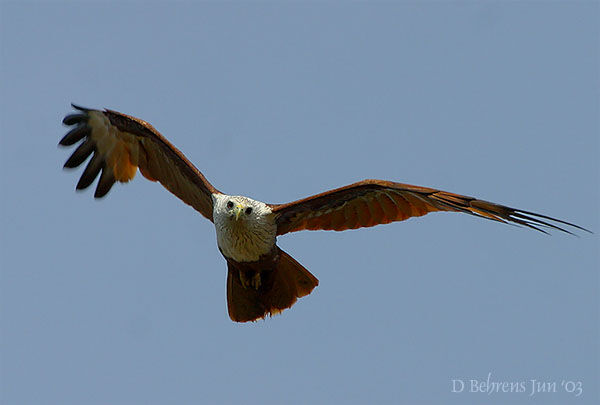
(245, 227)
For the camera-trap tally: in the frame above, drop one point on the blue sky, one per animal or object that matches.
(122, 300)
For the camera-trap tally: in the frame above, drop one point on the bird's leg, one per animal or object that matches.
(243, 279)
(256, 280)
(247, 281)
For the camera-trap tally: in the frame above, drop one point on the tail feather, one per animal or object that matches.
(282, 280)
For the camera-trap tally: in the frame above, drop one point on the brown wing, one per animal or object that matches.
(374, 202)
(119, 144)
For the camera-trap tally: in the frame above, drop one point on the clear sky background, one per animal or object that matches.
(122, 300)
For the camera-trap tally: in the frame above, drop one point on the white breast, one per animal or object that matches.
(250, 236)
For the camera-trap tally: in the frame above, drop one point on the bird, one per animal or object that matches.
(262, 279)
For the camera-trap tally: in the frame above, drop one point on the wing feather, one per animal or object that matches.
(75, 135)
(91, 172)
(83, 151)
(373, 202)
(121, 144)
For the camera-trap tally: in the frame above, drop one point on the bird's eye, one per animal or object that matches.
(248, 210)
(229, 204)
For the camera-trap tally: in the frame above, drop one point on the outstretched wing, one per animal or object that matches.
(373, 202)
(119, 144)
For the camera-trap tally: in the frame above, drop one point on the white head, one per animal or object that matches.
(239, 210)
(245, 227)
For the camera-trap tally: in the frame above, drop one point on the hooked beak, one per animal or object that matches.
(237, 211)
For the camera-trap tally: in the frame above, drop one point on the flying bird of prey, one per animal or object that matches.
(261, 278)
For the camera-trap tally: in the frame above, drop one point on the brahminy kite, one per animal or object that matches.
(261, 278)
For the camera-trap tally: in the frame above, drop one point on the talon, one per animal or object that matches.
(253, 282)
(256, 280)
(243, 280)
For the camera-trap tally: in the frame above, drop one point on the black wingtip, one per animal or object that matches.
(531, 216)
(90, 172)
(80, 108)
(76, 118)
(75, 135)
(529, 219)
(82, 152)
(107, 179)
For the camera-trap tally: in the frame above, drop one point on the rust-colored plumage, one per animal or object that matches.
(126, 143)
(120, 144)
(282, 281)
(373, 202)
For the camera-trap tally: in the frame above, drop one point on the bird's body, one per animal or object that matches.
(261, 278)
(246, 236)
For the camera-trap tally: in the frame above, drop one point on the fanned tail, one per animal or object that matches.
(266, 287)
